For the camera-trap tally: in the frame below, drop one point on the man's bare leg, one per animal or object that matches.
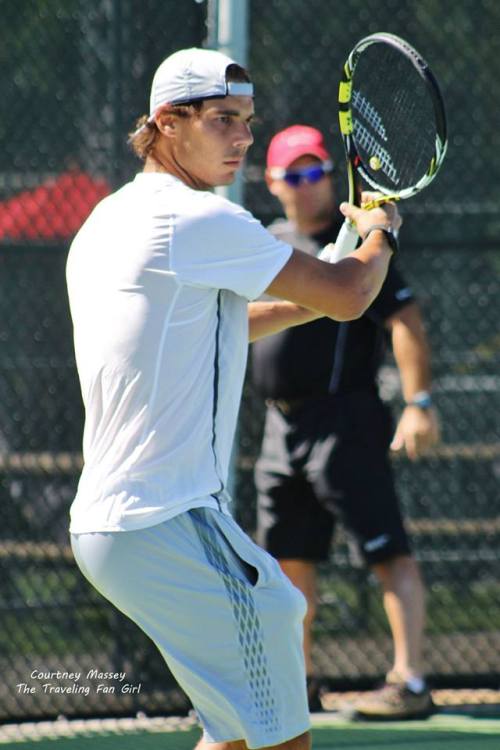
(405, 694)
(404, 603)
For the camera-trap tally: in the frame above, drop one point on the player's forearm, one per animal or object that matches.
(411, 351)
(375, 255)
(343, 290)
(266, 318)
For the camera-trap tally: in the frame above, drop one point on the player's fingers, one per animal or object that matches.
(408, 442)
(370, 196)
(348, 210)
(355, 214)
(413, 447)
(398, 442)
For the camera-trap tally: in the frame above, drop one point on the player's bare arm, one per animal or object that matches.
(272, 316)
(411, 350)
(342, 291)
(418, 428)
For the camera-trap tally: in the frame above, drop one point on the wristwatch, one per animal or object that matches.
(389, 234)
(422, 399)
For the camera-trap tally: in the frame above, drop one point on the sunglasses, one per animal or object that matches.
(296, 177)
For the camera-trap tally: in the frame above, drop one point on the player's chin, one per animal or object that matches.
(227, 178)
(231, 168)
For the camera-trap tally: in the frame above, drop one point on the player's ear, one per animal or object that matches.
(167, 123)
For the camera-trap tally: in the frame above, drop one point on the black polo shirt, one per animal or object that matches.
(325, 356)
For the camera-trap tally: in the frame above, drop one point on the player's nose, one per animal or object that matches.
(244, 136)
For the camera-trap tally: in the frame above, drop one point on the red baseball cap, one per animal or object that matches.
(293, 142)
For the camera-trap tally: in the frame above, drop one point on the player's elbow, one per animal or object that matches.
(353, 306)
(356, 286)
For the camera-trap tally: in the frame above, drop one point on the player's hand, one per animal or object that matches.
(386, 214)
(371, 200)
(417, 432)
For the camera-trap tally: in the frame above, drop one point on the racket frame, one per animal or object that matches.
(355, 166)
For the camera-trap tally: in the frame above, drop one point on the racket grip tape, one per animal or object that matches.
(346, 242)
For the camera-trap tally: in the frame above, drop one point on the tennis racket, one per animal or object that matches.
(393, 125)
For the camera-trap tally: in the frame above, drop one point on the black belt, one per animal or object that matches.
(288, 406)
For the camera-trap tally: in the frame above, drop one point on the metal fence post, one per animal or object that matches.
(231, 17)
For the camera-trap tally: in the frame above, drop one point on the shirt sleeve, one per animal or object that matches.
(394, 295)
(220, 245)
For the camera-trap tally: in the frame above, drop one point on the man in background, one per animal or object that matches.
(325, 451)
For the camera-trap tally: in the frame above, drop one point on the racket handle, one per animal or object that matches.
(346, 242)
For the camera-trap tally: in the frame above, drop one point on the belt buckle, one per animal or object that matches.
(284, 406)
(278, 403)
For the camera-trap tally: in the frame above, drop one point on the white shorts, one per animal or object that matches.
(222, 613)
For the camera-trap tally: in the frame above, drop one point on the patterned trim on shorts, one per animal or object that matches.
(250, 633)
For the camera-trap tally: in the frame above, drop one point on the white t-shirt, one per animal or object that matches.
(159, 277)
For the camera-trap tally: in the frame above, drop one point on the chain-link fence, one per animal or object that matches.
(297, 50)
(75, 77)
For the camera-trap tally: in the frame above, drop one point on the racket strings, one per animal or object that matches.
(368, 113)
(371, 146)
(393, 119)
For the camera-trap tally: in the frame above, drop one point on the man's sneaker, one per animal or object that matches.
(394, 701)
(314, 691)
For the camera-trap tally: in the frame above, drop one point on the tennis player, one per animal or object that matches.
(159, 280)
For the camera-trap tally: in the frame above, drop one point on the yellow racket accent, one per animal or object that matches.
(379, 201)
(432, 166)
(345, 121)
(345, 90)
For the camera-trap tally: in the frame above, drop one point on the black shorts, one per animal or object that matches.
(328, 461)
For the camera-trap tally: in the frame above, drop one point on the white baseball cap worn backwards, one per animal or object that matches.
(192, 74)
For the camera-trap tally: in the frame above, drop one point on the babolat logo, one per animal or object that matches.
(368, 112)
(370, 137)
